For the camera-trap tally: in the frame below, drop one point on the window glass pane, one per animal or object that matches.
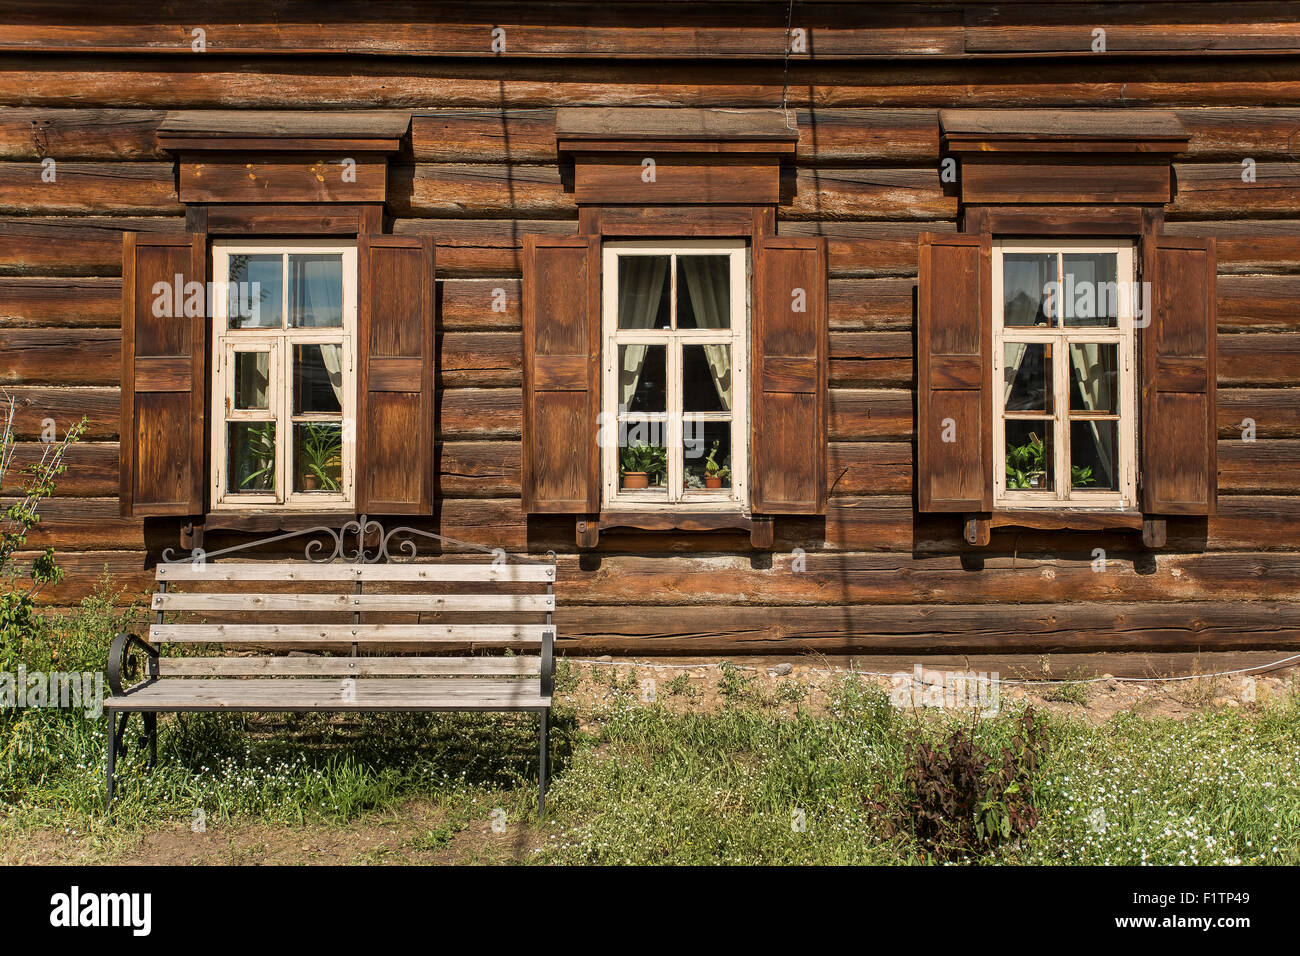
(706, 378)
(256, 293)
(318, 379)
(642, 378)
(317, 456)
(1027, 377)
(252, 380)
(1090, 295)
(250, 457)
(644, 298)
(703, 292)
(1029, 455)
(642, 458)
(706, 455)
(1094, 455)
(316, 291)
(1025, 288)
(1094, 377)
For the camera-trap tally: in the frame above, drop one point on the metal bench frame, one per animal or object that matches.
(358, 544)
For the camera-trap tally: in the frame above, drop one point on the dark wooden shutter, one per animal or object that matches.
(395, 347)
(787, 449)
(954, 364)
(163, 351)
(561, 290)
(1179, 461)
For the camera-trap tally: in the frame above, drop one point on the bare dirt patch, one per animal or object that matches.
(810, 684)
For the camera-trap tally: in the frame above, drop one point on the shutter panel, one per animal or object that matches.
(395, 353)
(164, 337)
(954, 365)
(788, 418)
(561, 290)
(1179, 460)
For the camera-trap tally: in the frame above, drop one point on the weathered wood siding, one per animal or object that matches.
(481, 173)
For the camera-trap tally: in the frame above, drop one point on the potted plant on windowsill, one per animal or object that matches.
(715, 475)
(257, 458)
(1025, 468)
(322, 457)
(640, 464)
(1026, 471)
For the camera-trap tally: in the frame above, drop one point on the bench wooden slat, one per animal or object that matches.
(434, 693)
(303, 571)
(354, 602)
(346, 633)
(346, 666)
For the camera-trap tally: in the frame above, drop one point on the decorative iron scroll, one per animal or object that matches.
(350, 545)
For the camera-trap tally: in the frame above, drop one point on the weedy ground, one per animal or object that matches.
(713, 765)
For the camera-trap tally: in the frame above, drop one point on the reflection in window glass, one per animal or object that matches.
(256, 292)
(1026, 277)
(1094, 454)
(644, 296)
(317, 379)
(1027, 377)
(252, 380)
(316, 290)
(703, 292)
(643, 378)
(1094, 377)
(706, 378)
(251, 457)
(1090, 295)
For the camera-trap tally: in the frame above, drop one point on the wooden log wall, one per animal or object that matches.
(873, 576)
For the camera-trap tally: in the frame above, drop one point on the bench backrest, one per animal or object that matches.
(369, 620)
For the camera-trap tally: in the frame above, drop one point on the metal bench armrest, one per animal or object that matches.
(119, 657)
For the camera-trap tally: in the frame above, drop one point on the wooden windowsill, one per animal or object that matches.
(978, 527)
(759, 527)
(274, 520)
(1053, 519)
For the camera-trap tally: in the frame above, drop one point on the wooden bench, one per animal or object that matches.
(332, 607)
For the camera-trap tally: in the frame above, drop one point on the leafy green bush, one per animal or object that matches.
(22, 581)
(964, 799)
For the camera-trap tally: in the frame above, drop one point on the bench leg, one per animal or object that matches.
(541, 768)
(151, 730)
(110, 763)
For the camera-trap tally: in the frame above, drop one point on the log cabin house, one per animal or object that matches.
(958, 329)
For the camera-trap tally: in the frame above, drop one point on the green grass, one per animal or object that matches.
(640, 783)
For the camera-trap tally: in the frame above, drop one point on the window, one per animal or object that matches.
(675, 339)
(283, 374)
(1063, 374)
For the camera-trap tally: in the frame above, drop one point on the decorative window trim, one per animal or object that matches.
(737, 337)
(280, 343)
(1125, 498)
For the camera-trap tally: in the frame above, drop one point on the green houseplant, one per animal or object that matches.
(641, 464)
(321, 457)
(715, 475)
(256, 459)
(1026, 470)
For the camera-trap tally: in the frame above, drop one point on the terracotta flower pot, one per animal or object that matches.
(310, 481)
(712, 481)
(636, 479)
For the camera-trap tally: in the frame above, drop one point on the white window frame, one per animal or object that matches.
(280, 343)
(737, 337)
(1123, 335)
